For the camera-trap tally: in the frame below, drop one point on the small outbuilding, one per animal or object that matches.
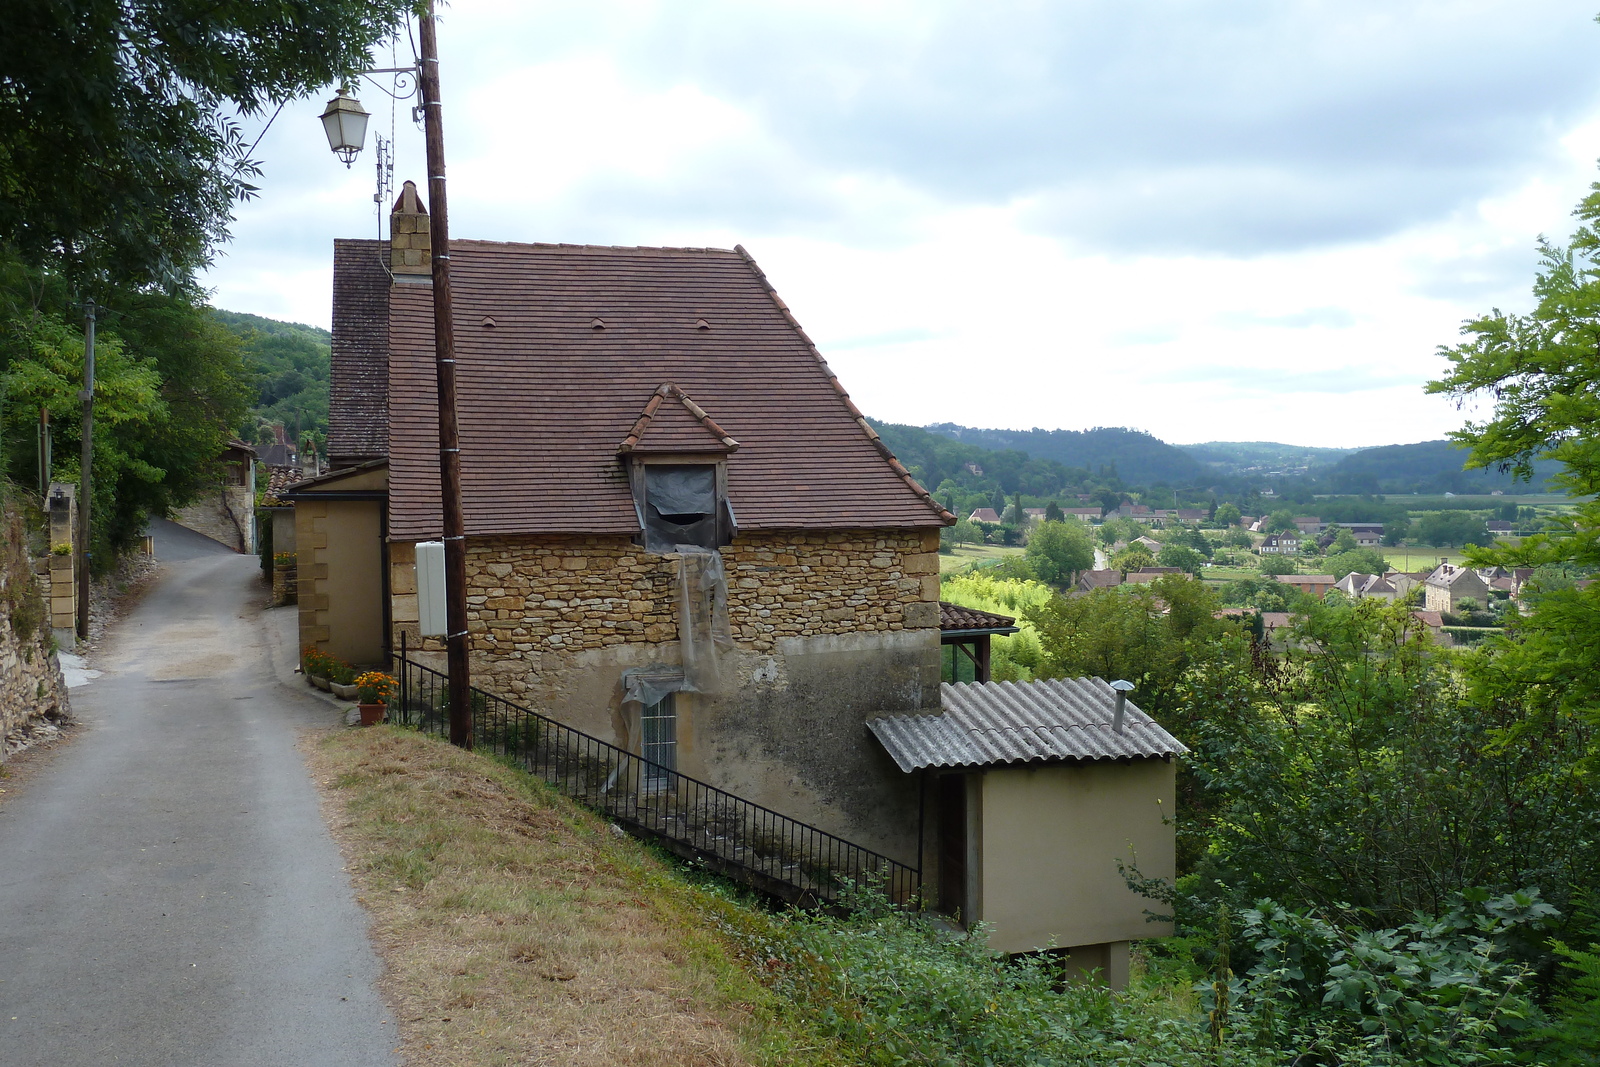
(1039, 791)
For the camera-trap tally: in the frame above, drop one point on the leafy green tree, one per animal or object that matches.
(1146, 634)
(1059, 552)
(1281, 521)
(965, 533)
(1357, 560)
(1227, 515)
(1343, 541)
(1452, 528)
(1396, 530)
(1016, 516)
(119, 158)
(1181, 556)
(1132, 558)
(1238, 537)
(1277, 564)
(1053, 512)
(1357, 778)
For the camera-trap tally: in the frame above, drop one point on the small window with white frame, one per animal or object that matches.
(658, 735)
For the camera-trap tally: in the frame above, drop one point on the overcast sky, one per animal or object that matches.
(1209, 220)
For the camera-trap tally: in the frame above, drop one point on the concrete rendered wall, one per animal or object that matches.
(1051, 839)
(340, 545)
(831, 629)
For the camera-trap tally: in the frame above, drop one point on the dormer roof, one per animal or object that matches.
(673, 423)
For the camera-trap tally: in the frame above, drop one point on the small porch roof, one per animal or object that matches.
(957, 621)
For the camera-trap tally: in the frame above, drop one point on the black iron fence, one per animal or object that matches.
(776, 854)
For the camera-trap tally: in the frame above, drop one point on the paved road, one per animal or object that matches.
(169, 894)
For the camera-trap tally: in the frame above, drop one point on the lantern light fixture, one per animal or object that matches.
(345, 122)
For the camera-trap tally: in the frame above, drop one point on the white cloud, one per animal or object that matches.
(1207, 220)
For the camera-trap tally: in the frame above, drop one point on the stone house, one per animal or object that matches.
(685, 540)
(614, 405)
(1360, 586)
(1449, 585)
(1283, 544)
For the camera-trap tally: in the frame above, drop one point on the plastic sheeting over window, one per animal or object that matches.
(703, 633)
(680, 506)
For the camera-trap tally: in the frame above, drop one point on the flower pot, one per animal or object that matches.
(372, 714)
(344, 692)
(320, 682)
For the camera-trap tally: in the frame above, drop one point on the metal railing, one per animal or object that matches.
(785, 857)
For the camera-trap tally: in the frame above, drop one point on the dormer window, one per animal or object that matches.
(682, 504)
(676, 457)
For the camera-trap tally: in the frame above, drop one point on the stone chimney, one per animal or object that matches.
(410, 246)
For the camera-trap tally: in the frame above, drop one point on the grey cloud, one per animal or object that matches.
(1150, 127)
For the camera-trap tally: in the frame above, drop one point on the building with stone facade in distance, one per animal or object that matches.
(225, 511)
(1449, 585)
(682, 536)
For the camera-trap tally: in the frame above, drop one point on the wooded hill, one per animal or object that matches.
(291, 364)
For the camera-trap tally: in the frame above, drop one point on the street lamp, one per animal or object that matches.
(444, 362)
(345, 122)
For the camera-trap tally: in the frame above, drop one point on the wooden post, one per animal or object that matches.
(86, 465)
(455, 539)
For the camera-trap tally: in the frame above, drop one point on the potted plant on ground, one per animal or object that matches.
(376, 689)
(315, 663)
(342, 680)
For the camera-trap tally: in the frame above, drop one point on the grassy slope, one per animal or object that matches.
(963, 556)
(517, 928)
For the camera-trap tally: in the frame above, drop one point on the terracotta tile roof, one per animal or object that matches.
(279, 479)
(984, 515)
(546, 396)
(956, 617)
(1306, 579)
(359, 373)
(1428, 618)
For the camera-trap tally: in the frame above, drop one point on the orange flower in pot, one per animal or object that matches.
(374, 689)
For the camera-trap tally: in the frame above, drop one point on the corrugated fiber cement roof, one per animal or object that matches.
(993, 723)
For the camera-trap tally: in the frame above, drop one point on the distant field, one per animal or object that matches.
(1420, 557)
(965, 556)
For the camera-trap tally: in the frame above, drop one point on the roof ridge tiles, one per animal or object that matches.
(833, 379)
(566, 246)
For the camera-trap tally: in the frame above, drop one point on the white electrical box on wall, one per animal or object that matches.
(430, 588)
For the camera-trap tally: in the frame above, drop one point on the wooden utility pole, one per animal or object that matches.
(85, 468)
(455, 532)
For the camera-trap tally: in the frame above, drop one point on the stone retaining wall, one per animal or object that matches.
(31, 685)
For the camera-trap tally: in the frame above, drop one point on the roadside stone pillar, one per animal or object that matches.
(62, 504)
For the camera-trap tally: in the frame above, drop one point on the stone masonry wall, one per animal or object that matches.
(31, 685)
(532, 595)
(225, 514)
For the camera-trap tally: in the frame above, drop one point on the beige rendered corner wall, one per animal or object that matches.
(1052, 836)
(341, 578)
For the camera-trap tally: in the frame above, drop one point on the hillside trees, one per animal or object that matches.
(170, 386)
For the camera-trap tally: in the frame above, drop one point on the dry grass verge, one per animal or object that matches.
(519, 929)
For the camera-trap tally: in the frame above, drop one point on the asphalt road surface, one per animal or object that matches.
(169, 894)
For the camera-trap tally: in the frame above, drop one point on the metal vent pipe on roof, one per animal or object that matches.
(1122, 687)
